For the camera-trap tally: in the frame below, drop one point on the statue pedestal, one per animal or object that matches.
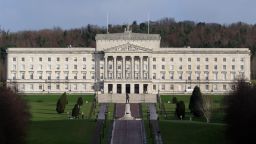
(127, 113)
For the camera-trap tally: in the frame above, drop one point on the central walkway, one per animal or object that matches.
(128, 131)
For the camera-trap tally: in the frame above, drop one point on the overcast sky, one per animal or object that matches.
(18, 15)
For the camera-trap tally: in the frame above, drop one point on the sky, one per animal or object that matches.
(18, 15)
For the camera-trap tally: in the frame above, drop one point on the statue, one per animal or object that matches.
(127, 98)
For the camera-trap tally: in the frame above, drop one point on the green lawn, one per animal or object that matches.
(186, 132)
(217, 113)
(49, 127)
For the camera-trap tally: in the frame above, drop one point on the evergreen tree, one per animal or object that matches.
(80, 101)
(61, 103)
(76, 111)
(195, 102)
(180, 110)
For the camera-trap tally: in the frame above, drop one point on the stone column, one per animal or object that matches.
(132, 68)
(114, 67)
(123, 67)
(132, 88)
(106, 67)
(149, 68)
(123, 88)
(141, 88)
(114, 88)
(141, 67)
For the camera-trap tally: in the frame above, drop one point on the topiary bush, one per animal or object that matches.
(61, 103)
(174, 100)
(14, 119)
(180, 110)
(76, 111)
(80, 101)
(196, 102)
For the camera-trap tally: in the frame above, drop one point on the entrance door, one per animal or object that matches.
(128, 88)
(137, 88)
(119, 88)
(110, 88)
(145, 88)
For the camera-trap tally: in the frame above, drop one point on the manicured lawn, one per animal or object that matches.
(186, 132)
(49, 127)
(217, 113)
(61, 132)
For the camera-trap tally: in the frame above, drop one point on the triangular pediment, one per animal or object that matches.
(128, 48)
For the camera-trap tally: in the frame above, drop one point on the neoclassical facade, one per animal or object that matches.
(126, 63)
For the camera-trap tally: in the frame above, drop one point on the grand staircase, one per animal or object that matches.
(121, 98)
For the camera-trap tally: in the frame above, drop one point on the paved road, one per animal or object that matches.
(128, 131)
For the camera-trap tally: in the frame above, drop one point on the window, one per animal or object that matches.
(23, 59)
(66, 76)
(189, 67)
(49, 86)
(189, 59)
(13, 67)
(58, 67)
(93, 59)
(224, 76)
(49, 76)
(171, 87)
(171, 76)
(233, 59)
(171, 67)
(180, 67)
(31, 76)
(40, 59)
(215, 76)
(171, 59)
(154, 59)
(84, 66)
(163, 87)
(101, 66)
(189, 76)
(58, 59)
(75, 58)
(84, 58)
(75, 66)
(206, 67)
(180, 76)
(207, 87)
(215, 59)
(233, 67)
(198, 59)
(101, 75)
(242, 59)
(198, 67)
(180, 59)
(84, 76)
(92, 75)
(66, 66)
(75, 86)
(224, 67)
(197, 76)
(57, 86)
(84, 86)
(154, 67)
(206, 75)
(119, 67)
(233, 76)
(49, 59)
(23, 87)
(110, 66)
(224, 59)
(215, 87)
(31, 59)
(31, 86)
(66, 59)
(242, 67)
(154, 75)
(66, 86)
(224, 87)
(49, 67)
(40, 67)
(58, 76)
(75, 76)
(14, 59)
(154, 87)
(31, 67)
(233, 87)
(163, 59)
(163, 67)
(215, 67)
(163, 76)
(206, 59)
(40, 87)
(14, 76)
(22, 75)
(40, 76)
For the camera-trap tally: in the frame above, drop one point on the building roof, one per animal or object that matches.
(128, 35)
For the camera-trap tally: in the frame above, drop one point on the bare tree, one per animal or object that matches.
(206, 107)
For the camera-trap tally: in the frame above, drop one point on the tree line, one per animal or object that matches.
(173, 34)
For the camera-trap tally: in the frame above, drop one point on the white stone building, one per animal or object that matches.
(126, 63)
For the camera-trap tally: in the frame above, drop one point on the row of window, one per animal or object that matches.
(199, 59)
(233, 76)
(68, 87)
(207, 87)
(189, 67)
(50, 67)
(40, 59)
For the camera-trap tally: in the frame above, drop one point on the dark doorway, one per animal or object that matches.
(110, 88)
(145, 88)
(137, 88)
(128, 88)
(119, 88)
